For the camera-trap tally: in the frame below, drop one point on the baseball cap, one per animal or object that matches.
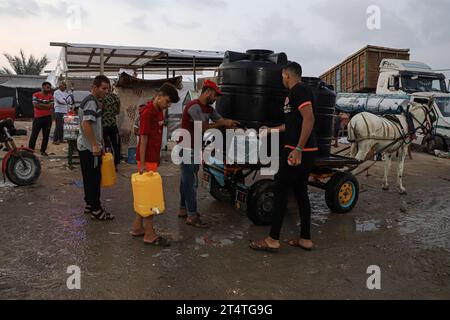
(212, 85)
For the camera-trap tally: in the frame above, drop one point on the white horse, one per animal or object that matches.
(387, 136)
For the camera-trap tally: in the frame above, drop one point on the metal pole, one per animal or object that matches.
(102, 62)
(143, 73)
(167, 66)
(195, 75)
(66, 65)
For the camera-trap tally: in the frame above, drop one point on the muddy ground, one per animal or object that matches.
(43, 231)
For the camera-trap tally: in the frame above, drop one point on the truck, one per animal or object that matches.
(400, 82)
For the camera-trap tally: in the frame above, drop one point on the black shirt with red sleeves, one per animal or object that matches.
(299, 97)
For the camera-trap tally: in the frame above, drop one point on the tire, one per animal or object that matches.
(261, 202)
(342, 193)
(440, 143)
(222, 194)
(431, 144)
(20, 176)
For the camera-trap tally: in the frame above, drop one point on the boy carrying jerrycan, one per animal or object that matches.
(147, 184)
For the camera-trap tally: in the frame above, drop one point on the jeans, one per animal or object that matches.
(91, 170)
(58, 134)
(188, 188)
(44, 124)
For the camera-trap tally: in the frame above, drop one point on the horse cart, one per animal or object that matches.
(239, 184)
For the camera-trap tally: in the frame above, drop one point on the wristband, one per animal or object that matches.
(299, 149)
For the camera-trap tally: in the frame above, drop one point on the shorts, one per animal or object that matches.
(149, 166)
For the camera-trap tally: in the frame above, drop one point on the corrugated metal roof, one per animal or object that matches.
(87, 58)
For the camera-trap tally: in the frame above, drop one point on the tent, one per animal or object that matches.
(22, 89)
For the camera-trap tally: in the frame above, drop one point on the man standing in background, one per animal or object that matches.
(43, 107)
(61, 97)
(110, 111)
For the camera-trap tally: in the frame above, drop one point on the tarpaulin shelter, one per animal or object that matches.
(94, 59)
(21, 90)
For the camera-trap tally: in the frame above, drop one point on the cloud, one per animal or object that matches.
(139, 23)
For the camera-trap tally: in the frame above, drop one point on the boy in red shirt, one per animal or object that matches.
(149, 150)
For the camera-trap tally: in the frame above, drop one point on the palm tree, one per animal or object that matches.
(25, 66)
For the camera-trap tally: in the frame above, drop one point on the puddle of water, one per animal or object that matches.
(430, 227)
(7, 184)
(367, 226)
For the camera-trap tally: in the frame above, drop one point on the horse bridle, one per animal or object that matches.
(427, 125)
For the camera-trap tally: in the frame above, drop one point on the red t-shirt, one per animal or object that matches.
(41, 98)
(151, 125)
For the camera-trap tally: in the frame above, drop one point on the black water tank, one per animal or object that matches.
(324, 106)
(253, 89)
(254, 93)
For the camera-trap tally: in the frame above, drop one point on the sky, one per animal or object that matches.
(317, 33)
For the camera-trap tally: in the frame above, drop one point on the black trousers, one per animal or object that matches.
(91, 170)
(295, 179)
(44, 124)
(112, 139)
(58, 134)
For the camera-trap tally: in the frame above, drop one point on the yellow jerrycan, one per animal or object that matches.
(148, 194)
(108, 171)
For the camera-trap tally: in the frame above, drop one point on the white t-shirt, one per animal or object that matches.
(61, 98)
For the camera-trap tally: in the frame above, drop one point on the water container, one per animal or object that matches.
(108, 171)
(324, 107)
(131, 159)
(253, 91)
(148, 194)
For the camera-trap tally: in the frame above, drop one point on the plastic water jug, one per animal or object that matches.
(148, 194)
(108, 171)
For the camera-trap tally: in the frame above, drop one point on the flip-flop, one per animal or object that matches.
(137, 235)
(296, 244)
(266, 248)
(159, 242)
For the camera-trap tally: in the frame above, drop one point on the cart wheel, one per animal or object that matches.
(342, 192)
(222, 194)
(261, 202)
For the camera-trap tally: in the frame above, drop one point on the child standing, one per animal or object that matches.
(148, 153)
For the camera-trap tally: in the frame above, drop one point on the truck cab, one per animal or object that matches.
(442, 124)
(408, 77)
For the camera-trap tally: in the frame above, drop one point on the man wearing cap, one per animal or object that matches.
(199, 110)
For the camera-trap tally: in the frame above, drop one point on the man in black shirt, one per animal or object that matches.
(297, 157)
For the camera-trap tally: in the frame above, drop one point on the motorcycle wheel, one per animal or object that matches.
(22, 175)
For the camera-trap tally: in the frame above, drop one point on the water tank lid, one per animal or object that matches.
(260, 52)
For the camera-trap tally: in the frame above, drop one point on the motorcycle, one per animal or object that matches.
(20, 165)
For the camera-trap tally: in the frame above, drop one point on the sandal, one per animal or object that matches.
(137, 235)
(183, 214)
(262, 245)
(159, 242)
(101, 215)
(87, 210)
(296, 244)
(196, 222)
